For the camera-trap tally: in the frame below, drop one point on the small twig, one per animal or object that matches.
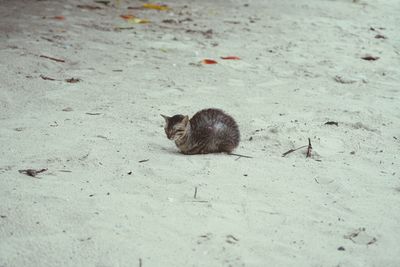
(47, 39)
(239, 155)
(143, 160)
(47, 78)
(123, 28)
(195, 192)
(140, 262)
(292, 150)
(309, 149)
(52, 58)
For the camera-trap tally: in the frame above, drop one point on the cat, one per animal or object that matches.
(208, 131)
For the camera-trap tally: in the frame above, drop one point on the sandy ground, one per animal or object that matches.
(100, 203)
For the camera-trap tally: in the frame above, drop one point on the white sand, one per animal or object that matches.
(265, 211)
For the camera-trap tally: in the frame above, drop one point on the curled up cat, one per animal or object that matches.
(208, 131)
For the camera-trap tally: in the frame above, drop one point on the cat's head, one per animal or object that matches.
(175, 126)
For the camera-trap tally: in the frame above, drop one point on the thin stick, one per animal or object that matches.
(140, 262)
(47, 78)
(309, 149)
(239, 155)
(195, 192)
(292, 150)
(52, 58)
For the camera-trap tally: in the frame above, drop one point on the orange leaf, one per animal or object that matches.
(209, 61)
(231, 57)
(155, 6)
(59, 17)
(127, 17)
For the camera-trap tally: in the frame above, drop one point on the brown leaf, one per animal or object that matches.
(332, 123)
(380, 36)
(231, 58)
(72, 80)
(32, 172)
(370, 58)
(59, 17)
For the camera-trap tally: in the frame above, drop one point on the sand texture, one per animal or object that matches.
(81, 92)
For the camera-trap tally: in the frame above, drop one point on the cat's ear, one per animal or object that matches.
(185, 120)
(166, 118)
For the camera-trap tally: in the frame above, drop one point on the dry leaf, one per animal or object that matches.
(231, 58)
(370, 58)
(32, 172)
(59, 17)
(72, 80)
(209, 61)
(155, 6)
(127, 17)
(380, 36)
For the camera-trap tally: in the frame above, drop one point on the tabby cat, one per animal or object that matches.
(208, 131)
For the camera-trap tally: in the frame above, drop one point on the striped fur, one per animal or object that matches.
(208, 131)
